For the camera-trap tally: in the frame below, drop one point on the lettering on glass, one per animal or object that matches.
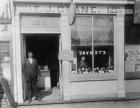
(100, 52)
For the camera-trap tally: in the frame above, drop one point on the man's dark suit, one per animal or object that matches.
(30, 75)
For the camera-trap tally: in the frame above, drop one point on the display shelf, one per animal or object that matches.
(93, 76)
(44, 79)
(44, 73)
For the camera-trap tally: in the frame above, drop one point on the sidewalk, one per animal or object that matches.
(52, 99)
(101, 104)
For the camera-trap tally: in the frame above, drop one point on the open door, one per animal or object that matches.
(46, 48)
(23, 57)
(23, 49)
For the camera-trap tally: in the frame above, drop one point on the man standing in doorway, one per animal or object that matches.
(30, 76)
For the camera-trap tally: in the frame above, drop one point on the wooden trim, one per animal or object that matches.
(93, 77)
(79, 1)
(102, 96)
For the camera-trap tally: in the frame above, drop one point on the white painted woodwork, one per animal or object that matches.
(93, 88)
(132, 86)
(66, 67)
(80, 1)
(18, 90)
(40, 24)
(120, 54)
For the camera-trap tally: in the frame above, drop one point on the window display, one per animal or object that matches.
(93, 44)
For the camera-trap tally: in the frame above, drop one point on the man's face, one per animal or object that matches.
(30, 55)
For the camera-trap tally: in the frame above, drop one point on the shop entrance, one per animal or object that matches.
(45, 48)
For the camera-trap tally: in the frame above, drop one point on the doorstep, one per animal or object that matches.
(129, 96)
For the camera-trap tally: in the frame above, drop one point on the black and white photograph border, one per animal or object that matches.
(69, 53)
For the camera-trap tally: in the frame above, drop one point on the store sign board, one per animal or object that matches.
(66, 55)
(80, 9)
(137, 12)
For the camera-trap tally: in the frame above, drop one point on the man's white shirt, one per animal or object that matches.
(31, 60)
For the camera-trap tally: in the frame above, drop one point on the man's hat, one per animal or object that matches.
(29, 52)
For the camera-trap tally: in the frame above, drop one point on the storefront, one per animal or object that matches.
(90, 53)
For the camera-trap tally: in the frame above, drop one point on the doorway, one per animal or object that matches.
(45, 48)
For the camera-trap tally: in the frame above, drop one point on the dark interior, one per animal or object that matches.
(45, 48)
(101, 56)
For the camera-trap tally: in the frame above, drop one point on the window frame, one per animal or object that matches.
(100, 76)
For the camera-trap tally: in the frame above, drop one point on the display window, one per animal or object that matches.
(92, 40)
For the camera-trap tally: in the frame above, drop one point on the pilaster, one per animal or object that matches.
(17, 60)
(66, 66)
(120, 54)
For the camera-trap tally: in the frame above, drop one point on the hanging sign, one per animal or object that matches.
(137, 12)
(66, 55)
(72, 13)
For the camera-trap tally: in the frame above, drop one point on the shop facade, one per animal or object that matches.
(97, 37)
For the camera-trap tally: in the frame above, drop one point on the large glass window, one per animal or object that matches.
(92, 39)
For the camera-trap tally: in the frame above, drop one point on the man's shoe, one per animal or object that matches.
(38, 99)
(29, 101)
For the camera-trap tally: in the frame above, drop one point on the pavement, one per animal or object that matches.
(100, 104)
(51, 98)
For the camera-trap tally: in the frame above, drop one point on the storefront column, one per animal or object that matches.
(18, 90)
(120, 54)
(66, 66)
